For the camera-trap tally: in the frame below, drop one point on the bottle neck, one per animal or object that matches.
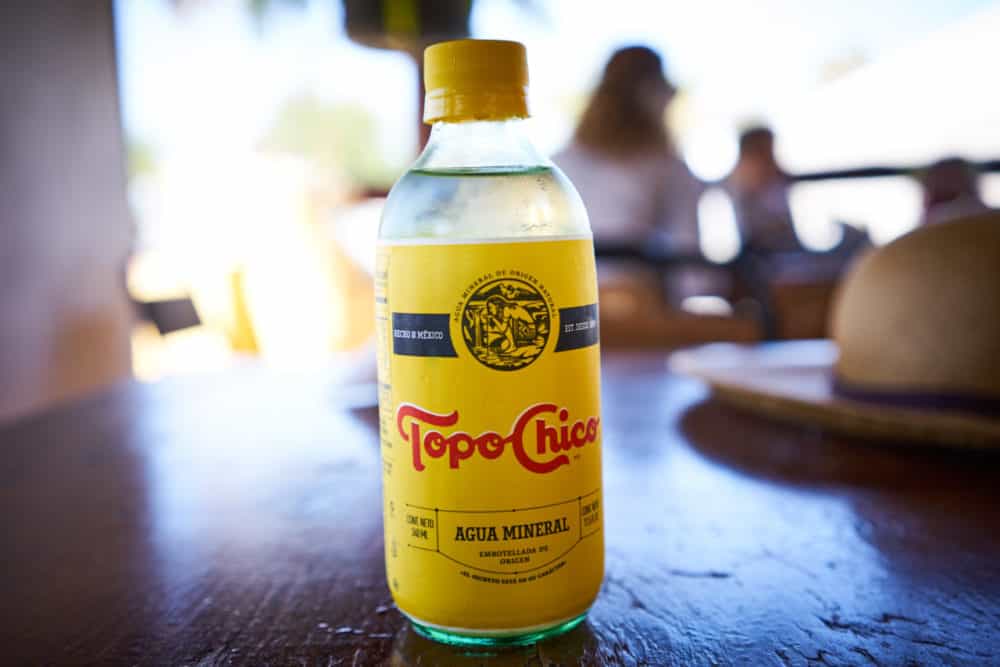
(503, 145)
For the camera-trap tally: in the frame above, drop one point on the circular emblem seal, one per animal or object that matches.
(505, 324)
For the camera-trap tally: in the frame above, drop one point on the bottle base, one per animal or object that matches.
(494, 638)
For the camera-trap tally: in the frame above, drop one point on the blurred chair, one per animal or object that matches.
(772, 295)
(636, 309)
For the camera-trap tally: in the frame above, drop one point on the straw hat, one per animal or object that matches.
(915, 355)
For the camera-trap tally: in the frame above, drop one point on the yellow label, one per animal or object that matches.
(489, 373)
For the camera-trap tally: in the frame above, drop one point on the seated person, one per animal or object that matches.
(759, 190)
(950, 191)
(635, 186)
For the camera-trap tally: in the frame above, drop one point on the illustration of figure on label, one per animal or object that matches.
(506, 324)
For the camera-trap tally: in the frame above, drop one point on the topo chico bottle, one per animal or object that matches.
(486, 306)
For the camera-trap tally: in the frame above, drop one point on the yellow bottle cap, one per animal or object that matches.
(475, 79)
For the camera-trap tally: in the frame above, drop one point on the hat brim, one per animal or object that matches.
(792, 381)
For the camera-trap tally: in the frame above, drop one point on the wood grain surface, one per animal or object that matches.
(235, 519)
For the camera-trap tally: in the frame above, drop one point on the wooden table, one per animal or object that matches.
(235, 519)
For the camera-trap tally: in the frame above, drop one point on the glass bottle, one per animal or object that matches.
(486, 307)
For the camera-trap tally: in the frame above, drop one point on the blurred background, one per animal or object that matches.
(190, 185)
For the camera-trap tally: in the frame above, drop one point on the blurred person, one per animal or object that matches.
(621, 159)
(950, 190)
(758, 187)
(788, 287)
(636, 188)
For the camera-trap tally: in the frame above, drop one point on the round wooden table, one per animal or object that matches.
(236, 519)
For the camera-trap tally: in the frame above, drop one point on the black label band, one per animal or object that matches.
(429, 334)
(422, 335)
(578, 327)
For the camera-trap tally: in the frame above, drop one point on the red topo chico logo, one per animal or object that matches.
(533, 453)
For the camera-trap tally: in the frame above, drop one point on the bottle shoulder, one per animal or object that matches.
(483, 202)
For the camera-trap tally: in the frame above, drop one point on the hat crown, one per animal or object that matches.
(922, 314)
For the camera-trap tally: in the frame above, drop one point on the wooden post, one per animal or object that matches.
(65, 231)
